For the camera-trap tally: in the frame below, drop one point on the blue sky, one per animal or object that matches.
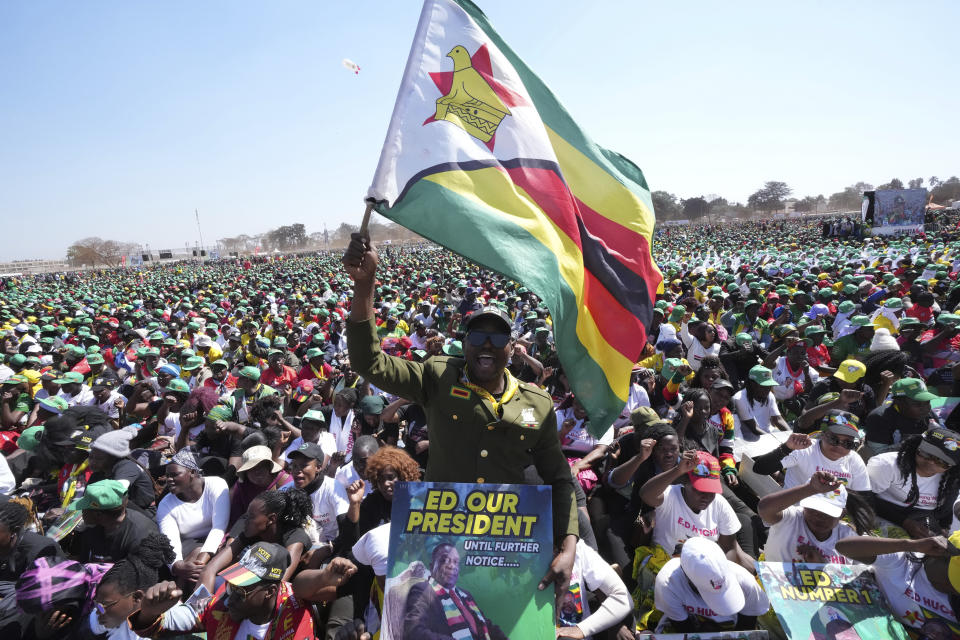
(118, 119)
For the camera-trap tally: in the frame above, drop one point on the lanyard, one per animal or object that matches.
(509, 392)
(318, 374)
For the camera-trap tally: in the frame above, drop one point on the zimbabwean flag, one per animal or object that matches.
(481, 158)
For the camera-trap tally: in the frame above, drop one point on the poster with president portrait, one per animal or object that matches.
(828, 602)
(465, 561)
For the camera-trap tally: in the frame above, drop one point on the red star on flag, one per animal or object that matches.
(481, 62)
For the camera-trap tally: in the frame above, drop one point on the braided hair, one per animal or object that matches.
(141, 569)
(949, 481)
(13, 516)
(892, 360)
(293, 507)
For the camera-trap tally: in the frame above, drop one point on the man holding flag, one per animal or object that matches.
(485, 426)
(480, 157)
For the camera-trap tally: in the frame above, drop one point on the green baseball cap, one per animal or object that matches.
(178, 386)
(316, 416)
(762, 376)
(314, 352)
(53, 404)
(220, 363)
(30, 438)
(220, 412)
(104, 495)
(70, 377)
(861, 321)
(251, 373)
(912, 388)
(192, 363)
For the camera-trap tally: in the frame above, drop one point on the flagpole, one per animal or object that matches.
(366, 217)
(196, 212)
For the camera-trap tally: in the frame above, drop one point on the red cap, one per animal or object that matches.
(706, 475)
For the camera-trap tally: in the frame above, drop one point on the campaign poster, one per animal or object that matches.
(465, 561)
(828, 602)
(899, 210)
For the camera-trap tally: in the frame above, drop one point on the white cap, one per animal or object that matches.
(831, 503)
(708, 569)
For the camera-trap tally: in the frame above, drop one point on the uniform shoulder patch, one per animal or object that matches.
(460, 392)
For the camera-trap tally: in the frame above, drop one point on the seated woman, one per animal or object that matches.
(693, 508)
(805, 522)
(908, 570)
(193, 515)
(109, 459)
(916, 487)
(123, 586)
(258, 472)
(687, 594)
(756, 405)
(834, 451)
(273, 516)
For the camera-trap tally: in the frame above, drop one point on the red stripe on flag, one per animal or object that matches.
(620, 328)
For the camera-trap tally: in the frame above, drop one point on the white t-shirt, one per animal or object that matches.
(372, 548)
(676, 522)
(638, 398)
(250, 630)
(329, 501)
(347, 475)
(84, 397)
(108, 408)
(801, 464)
(761, 413)
(674, 595)
(206, 518)
(327, 443)
(785, 379)
(887, 483)
(580, 439)
(792, 531)
(908, 590)
(592, 573)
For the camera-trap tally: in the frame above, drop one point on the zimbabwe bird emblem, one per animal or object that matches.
(472, 99)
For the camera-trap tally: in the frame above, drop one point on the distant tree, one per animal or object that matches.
(896, 183)
(934, 182)
(806, 204)
(916, 183)
(716, 202)
(341, 237)
(769, 197)
(694, 208)
(850, 198)
(665, 205)
(947, 191)
(94, 251)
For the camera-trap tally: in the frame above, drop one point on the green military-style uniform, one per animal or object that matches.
(470, 440)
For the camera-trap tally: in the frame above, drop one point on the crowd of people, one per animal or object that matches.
(213, 447)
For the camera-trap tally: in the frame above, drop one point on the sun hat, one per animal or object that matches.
(254, 456)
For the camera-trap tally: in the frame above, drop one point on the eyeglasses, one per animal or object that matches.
(837, 442)
(102, 608)
(478, 338)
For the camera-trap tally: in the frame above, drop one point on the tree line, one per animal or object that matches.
(772, 197)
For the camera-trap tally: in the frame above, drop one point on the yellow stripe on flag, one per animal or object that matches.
(599, 190)
(501, 194)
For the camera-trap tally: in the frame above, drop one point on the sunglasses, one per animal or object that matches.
(837, 442)
(241, 593)
(478, 338)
